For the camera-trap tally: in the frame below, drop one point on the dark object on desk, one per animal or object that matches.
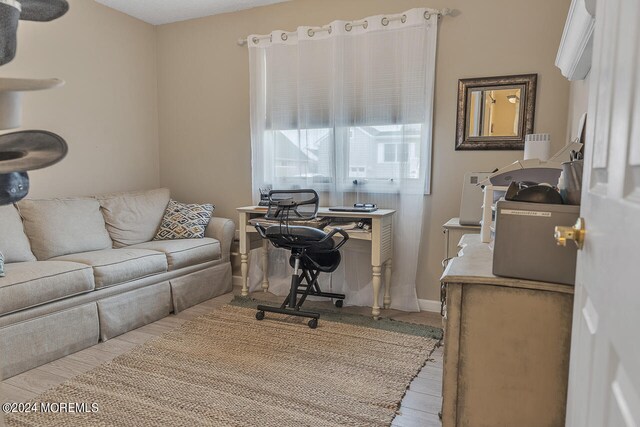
(264, 196)
(571, 185)
(357, 207)
(576, 155)
(312, 250)
(525, 246)
(533, 193)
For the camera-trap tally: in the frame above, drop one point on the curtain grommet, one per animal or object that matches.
(385, 21)
(348, 26)
(255, 40)
(403, 19)
(365, 25)
(311, 33)
(427, 15)
(330, 29)
(284, 37)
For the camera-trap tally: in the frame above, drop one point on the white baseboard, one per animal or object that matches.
(429, 305)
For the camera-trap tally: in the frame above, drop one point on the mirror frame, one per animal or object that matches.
(527, 114)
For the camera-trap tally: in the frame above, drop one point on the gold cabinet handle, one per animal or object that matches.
(575, 233)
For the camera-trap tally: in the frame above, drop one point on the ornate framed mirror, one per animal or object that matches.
(495, 113)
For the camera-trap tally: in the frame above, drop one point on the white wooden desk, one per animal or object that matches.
(381, 238)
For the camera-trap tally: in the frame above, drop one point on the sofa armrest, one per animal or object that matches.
(224, 230)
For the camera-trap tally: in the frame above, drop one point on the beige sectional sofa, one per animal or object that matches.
(84, 270)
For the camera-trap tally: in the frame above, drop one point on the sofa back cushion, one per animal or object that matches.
(59, 227)
(134, 217)
(14, 244)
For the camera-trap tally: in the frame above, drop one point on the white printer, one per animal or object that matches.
(471, 204)
(534, 170)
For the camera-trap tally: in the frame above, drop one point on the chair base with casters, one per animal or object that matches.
(304, 282)
(312, 252)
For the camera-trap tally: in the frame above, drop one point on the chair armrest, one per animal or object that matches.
(344, 234)
(224, 230)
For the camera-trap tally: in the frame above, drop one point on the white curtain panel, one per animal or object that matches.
(347, 110)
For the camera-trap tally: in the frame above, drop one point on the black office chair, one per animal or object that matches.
(312, 250)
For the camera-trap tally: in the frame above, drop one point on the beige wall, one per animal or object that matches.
(578, 104)
(107, 111)
(204, 95)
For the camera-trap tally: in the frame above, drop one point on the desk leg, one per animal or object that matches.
(265, 265)
(244, 268)
(387, 283)
(245, 247)
(377, 282)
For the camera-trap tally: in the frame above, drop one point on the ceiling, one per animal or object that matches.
(159, 12)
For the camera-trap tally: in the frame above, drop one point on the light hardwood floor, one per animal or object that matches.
(419, 407)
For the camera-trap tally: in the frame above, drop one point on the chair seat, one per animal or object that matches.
(318, 223)
(298, 236)
(117, 266)
(327, 262)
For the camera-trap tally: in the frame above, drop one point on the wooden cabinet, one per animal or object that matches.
(506, 345)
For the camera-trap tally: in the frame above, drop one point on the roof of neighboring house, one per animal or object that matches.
(390, 130)
(308, 147)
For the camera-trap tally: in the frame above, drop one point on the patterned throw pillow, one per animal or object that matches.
(1, 265)
(184, 221)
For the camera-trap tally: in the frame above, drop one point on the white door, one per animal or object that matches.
(604, 378)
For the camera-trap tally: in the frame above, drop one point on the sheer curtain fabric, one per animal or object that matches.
(346, 109)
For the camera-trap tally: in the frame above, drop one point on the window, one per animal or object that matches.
(344, 109)
(295, 157)
(382, 155)
(357, 172)
(391, 153)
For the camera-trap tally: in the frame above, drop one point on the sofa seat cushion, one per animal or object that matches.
(117, 266)
(185, 252)
(28, 284)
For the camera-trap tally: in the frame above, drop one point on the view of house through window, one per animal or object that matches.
(379, 154)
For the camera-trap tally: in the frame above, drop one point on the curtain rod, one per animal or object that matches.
(350, 25)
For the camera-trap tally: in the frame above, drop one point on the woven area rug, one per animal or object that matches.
(227, 369)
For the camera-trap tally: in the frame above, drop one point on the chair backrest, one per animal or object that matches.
(292, 205)
(291, 208)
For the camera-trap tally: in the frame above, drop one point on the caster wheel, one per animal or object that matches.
(260, 315)
(339, 303)
(313, 323)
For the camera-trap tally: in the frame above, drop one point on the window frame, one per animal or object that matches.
(341, 179)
